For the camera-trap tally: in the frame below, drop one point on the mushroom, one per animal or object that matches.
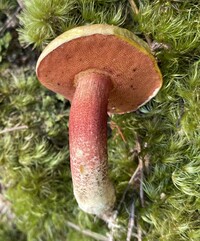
(101, 69)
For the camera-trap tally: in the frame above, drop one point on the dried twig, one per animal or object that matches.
(10, 22)
(154, 46)
(141, 182)
(139, 233)
(127, 187)
(111, 220)
(131, 223)
(136, 11)
(21, 3)
(5, 209)
(16, 128)
(113, 125)
(139, 169)
(134, 7)
(111, 235)
(87, 232)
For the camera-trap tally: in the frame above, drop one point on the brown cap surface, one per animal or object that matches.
(122, 55)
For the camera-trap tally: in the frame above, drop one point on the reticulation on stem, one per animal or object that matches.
(93, 189)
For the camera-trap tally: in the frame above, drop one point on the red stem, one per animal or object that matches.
(88, 143)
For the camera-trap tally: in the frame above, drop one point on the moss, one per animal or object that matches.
(35, 161)
(42, 21)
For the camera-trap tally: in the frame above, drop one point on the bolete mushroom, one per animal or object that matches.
(99, 68)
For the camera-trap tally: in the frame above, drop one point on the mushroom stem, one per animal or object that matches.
(93, 189)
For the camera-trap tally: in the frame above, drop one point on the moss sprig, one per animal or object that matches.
(42, 21)
(178, 27)
(7, 5)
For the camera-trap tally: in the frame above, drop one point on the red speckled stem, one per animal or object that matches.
(88, 143)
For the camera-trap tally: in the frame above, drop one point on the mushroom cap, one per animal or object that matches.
(115, 51)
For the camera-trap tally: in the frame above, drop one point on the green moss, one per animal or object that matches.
(32, 156)
(42, 21)
(10, 233)
(35, 161)
(4, 44)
